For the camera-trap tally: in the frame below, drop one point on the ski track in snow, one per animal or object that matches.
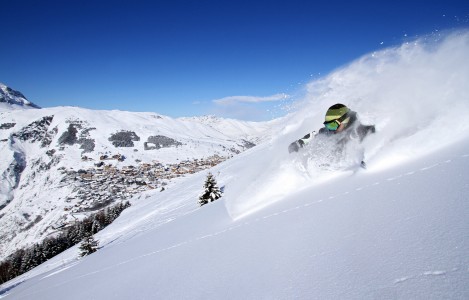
(424, 274)
(60, 270)
(338, 197)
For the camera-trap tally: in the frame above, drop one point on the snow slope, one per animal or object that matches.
(287, 227)
(388, 236)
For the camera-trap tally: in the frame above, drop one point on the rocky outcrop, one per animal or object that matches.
(247, 144)
(11, 176)
(37, 131)
(69, 137)
(7, 125)
(160, 141)
(77, 133)
(124, 138)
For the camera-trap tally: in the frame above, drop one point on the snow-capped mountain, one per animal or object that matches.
(12, 100)
(298, 226)
(59, 164)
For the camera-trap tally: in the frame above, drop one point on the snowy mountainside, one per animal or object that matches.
(60, 163)
(398, 233)
(11, 99)
(291, 226)
(239, 128)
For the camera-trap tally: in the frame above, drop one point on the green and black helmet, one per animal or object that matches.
(336, 115)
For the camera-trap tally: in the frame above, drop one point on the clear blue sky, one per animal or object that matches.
(176, 57)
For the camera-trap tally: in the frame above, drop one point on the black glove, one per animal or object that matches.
(294, 147)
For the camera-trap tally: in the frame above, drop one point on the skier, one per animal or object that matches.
(340, 122)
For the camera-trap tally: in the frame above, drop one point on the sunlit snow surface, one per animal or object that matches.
(287, 227)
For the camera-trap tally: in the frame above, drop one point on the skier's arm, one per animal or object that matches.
(307, 139)
(364, 130)
(296, 145)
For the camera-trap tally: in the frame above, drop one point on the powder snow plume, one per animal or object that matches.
(416, 95)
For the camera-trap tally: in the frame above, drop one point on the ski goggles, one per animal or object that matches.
(333, 125)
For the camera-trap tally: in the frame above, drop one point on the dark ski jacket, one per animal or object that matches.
(354, 130)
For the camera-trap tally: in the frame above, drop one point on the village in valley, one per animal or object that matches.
(105, 183)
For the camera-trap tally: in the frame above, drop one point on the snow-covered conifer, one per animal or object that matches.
(88, 245)
(211, 191)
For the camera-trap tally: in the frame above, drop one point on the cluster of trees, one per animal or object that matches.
(211, 191)
(24, 260)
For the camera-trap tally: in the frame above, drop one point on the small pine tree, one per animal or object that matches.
(211, 192)
(96, 226)
(88, 245)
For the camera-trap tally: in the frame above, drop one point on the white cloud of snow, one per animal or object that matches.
(416, 95)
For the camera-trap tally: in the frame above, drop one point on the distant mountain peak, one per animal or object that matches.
(11, 99)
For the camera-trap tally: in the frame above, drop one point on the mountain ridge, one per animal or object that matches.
(11, 99)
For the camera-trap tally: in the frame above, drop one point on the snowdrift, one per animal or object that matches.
(288, 229)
